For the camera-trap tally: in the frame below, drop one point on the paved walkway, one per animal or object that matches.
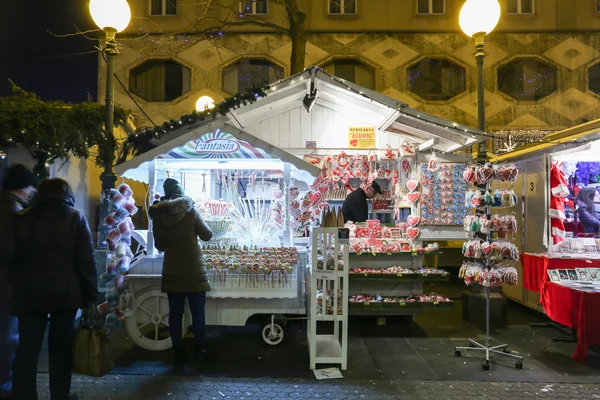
(148, 387)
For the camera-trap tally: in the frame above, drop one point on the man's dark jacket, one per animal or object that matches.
(10, 205)
(54, 267)
(355, 207)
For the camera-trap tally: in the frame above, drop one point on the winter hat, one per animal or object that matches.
(376, 187)
(172, 187)
(18, 177)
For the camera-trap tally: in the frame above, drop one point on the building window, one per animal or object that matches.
(520, 6)
(163, 7)
(436, 79)
(254, 7)
(342, 6)
(352, 70)
(429, 7)
(250, 72)
(160, 80)
(527, 79)
(594, 78)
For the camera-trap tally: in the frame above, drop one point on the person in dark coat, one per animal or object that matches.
(355, 207)
(54, 274)
(18, 188)
(177, 225)
(586, 211)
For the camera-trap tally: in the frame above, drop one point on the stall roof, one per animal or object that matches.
(569, 138)
(137, 167)
(347, 98)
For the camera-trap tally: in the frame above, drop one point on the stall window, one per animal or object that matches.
(250, 72)
(352, 70)
(431, 7)
(527, 79)
(163, 7)
(254, 7)
(436, 79)
(160, 80)
(594, 78)
(520, 6)
(337, 7)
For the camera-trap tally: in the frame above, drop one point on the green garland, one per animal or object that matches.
(53, 130)
(141, 141)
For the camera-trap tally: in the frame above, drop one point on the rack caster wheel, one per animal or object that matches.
(471, 345)
(507, 351)
(457, 353)
(486, 366)
(519, 365)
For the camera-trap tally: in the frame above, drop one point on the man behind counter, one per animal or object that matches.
(355, 206)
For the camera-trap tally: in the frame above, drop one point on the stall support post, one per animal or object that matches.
(287, 236)
(480, 59)
(151, 185)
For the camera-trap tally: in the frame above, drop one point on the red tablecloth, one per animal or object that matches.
(575, 309)
(535, 267)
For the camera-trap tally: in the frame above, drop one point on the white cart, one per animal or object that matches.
(231, 303)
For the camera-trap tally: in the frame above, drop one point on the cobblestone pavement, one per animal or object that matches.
(148, 387)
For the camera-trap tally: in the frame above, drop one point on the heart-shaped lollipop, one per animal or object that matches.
(324, 188)
(413, 220)
(413, 197)
(469, 175)
(315, 197)
(412, 184)
(412, 233)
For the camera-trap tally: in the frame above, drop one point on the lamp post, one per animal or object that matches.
(112, 16)
(477, 19)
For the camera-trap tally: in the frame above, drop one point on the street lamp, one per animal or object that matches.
(112, 16)
(205, 103)
(477, 19)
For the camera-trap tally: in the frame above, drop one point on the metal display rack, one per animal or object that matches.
(329, 280)
(502, 349)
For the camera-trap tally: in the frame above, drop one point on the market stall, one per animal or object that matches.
(265, 173)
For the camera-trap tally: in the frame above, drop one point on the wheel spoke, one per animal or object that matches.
(164, 319)
(144, 325)
(156, 332)
(144, 310)
(157, 304)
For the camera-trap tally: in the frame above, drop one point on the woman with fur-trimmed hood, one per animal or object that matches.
(176, 227)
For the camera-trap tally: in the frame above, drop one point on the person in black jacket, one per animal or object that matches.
(54, 275)
(586, 211)
(18, 187)
(355, 207)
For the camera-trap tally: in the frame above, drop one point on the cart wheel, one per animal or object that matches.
(148, 325)
(519, 365)
(273, 337)
(486, 366)
(457, 353)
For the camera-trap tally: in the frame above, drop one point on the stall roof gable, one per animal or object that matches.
(180, 137)
(385, 113)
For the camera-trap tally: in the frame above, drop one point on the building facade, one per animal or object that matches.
(542, 70)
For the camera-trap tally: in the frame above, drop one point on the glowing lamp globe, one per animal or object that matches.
(110, 14)
(205, 103)
(479, 16)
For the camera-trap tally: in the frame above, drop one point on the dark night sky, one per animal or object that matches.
(41, 63)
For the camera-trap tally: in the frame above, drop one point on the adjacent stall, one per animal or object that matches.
(264, 173)
(561, 225)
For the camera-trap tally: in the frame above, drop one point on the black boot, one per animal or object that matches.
(200, 353)
(178, 358)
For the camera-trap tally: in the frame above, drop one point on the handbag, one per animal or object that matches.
(91, 347)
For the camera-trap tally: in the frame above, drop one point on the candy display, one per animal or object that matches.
(251, 267)
(442, 191)
(422, 299)
(358, 245)
(119, 221)
(495, 251)
(498, 199)
(329, 302)
(397, 271)
(489, 277)
(503, 225)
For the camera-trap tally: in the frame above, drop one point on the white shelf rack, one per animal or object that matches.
(330, 348)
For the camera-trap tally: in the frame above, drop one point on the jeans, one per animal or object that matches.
(31, 332)
(196, 301)
(8, 342)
